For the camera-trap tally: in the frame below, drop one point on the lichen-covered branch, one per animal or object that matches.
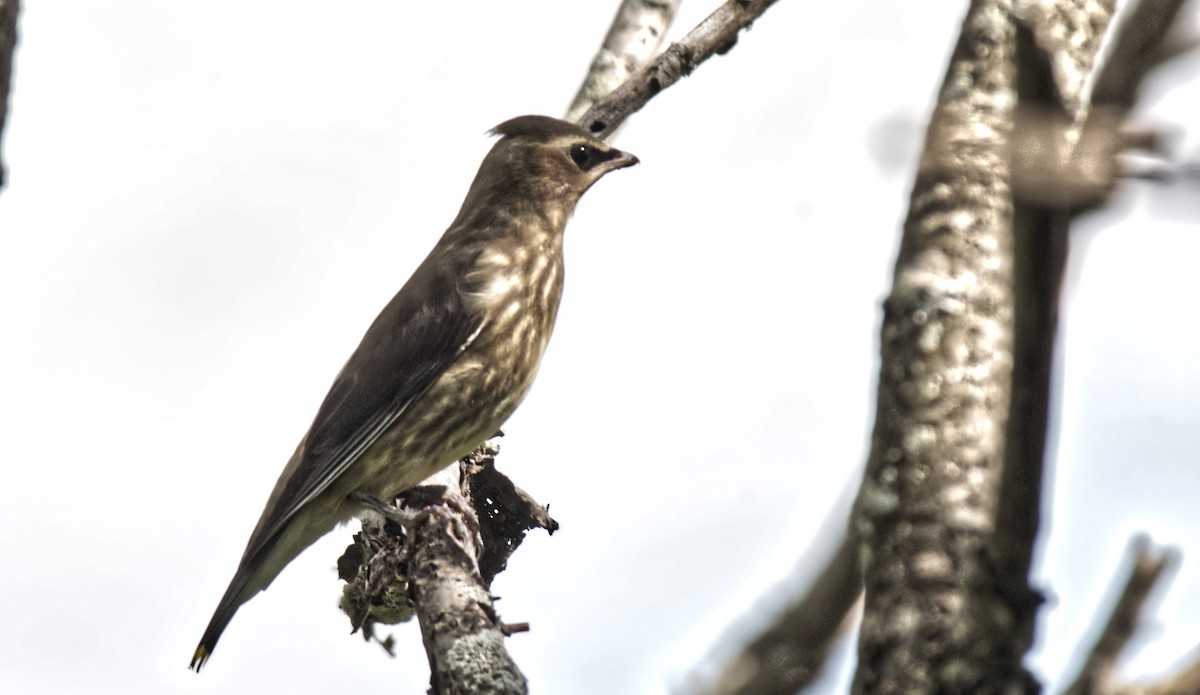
(463, 636)
(423, 558)
(715, 35)
(434, 556)
(926, 511)
(633, 40)
(8, 46)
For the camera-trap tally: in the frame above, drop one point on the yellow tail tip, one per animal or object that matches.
(198, 659)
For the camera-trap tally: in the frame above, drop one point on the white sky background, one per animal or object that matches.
(209, 202)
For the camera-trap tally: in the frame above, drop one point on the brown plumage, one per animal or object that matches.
(447, 361)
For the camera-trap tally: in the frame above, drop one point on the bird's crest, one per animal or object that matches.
(538, 126)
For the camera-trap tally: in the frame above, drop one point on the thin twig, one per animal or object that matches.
(716, 35)
(1148, 563)
(633, 40)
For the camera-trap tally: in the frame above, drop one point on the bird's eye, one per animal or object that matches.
(583, 156)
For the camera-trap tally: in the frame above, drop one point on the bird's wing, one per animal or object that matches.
(415, 339)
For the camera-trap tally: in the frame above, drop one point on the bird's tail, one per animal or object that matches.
(263, 561)
(233, 599)
(265, 558)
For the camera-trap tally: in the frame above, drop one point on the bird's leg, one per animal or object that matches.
(384, 509)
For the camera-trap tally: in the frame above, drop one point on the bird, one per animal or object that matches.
(446, 362)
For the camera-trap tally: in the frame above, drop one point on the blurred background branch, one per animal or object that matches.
(9, 9)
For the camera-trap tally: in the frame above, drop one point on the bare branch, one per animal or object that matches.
(462, 633)
(1099, 672)
(1070, 33)
(1062, 166)
(1066, 159)
(716, 35)
(8, 46)
(1136, 51)
(633, 40)
(789, 655)
(1039, 255)
(1070, 154)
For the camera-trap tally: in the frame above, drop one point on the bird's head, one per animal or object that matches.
(542, 164)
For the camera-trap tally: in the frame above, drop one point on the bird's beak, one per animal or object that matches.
(620, 161)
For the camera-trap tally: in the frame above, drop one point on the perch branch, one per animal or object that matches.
(426, 550)
(434, 556)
